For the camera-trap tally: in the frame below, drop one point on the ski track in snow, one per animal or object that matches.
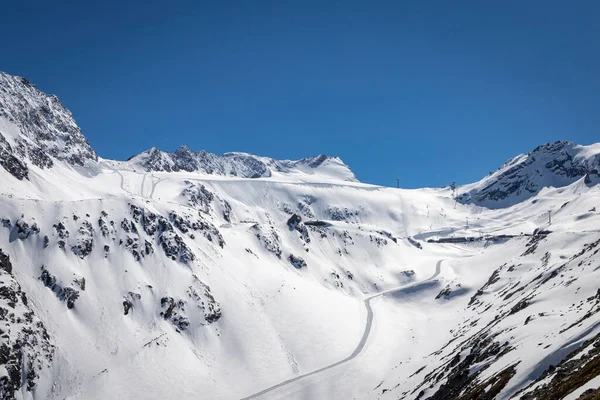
(363, 340)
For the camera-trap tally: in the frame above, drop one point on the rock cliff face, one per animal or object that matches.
(37, 128)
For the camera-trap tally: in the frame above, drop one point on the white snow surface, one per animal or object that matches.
(246, 318)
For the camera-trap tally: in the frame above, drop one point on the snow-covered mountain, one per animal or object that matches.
(36, 127)
(551, 165)
(190, 275)
(242, 165)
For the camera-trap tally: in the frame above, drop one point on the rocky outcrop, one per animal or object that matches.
(65, 293)
(25, 230)
(85, 240)
(268, 238)
(199, 306)
(198, 196)
(25, 347)
(295, 224)
(297, 262)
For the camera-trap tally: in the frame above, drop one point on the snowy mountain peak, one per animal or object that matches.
(555, 164)
(36, 128)
(238, 164)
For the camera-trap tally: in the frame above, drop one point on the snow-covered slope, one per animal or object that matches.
(190, 275)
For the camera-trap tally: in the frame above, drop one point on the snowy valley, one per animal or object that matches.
(190, 275)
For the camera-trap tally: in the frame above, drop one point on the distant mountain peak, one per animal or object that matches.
(555, 164)
(236, 164)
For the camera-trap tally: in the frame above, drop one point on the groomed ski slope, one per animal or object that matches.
(363, 339)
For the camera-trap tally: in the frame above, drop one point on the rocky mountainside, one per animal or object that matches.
(191, 275)
(37, 128)
(240, 165)
(551, 165)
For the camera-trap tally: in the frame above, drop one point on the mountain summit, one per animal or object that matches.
(242, 165)
(550, 165)
(37, 128)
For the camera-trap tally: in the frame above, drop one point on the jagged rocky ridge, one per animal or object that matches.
(240, 165)
(37, 128)
(550, 165)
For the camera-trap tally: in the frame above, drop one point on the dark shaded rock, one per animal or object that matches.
(5, 263)
(66, 294)
(199, 197)
(268, 238)
(10, 162)
(129, 300)
(294, 221)
(24, 230)
(25, 346)
(61, 230)
(85, 240)
(297, 262)
(226, 211)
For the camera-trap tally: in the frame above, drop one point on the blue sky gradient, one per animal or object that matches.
(429, 92)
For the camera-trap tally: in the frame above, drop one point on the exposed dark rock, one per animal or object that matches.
(445, 292)
(295, 223)
(61, 230)
(321, 224)
(80, 283)
(226, 211)
(25, 346)
(200, 293)
(24, 230)
(5, 263)
(342, 214)
(571, 373)
(85, 240)
(187, 223)
(173, 311)
(268, 238)
(199, 197)
(47, 126)
(297, 262)
(10, 162)
(66, 294)
(128, 302)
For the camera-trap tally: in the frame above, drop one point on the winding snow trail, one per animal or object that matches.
(364, 338)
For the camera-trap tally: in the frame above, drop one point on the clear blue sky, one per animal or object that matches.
(429, 92)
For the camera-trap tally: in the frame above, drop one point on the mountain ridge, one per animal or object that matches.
(35, 128)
